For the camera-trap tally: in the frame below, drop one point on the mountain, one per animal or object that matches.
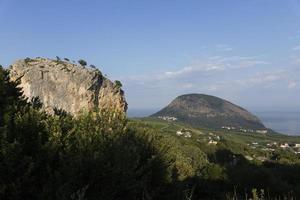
(68, 86)
(200, 110)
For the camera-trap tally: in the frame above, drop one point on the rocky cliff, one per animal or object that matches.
(208, 111)
(68, 86)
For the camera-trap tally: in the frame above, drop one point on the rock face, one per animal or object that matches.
(201, 110)
(64, 85)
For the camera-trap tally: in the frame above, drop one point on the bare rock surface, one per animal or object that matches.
(68, 86)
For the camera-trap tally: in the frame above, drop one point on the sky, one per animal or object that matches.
(247, 52)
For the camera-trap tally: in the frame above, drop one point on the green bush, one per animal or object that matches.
(27, 60)
(82, 62)
(93, 156)
(118, 84)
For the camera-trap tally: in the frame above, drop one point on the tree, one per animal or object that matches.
(93, 66)
(118, 84)
(11, 98)
(27, 60)
(82, 62)
(36, 103)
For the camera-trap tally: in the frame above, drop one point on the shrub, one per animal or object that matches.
(60, 112)
(27, 60)
(93, 66)
(36, 103)
(82, 62)
(118, 83)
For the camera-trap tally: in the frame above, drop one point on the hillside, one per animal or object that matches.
(201, 110)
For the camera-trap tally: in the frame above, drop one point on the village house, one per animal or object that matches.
(212, 142)
(184, 132)
(262, 131)
(297, 146)
(167, 118)
(228, 127)
(285, 145)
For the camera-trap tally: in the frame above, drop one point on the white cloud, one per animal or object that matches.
(224, 47)
(209, 68)
(213, 64)
(278, 80)
(292, 85)
(251, 78)
(187, 85)
(184, 70)
(218, 73)
(296, 48)
(242, 77)
(266, 78)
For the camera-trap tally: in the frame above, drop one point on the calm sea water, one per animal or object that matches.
(282, 122)
(141, 112)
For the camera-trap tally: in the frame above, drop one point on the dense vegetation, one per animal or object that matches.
(100, 155)
(225, 169)
(94, 156)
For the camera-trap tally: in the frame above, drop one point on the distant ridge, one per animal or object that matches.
(201, 110)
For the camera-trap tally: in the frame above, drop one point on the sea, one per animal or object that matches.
(285, 122)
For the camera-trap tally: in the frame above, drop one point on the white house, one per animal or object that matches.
(285, 145)
(179, 133)
(262, 131)
(212, 142)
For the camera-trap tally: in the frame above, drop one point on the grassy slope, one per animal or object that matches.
(200, 137)
(172, 127)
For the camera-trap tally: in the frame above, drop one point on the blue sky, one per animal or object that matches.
(245, 51)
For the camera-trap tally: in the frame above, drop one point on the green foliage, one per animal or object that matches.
(223, 167)
(60, 112)
(118, 84)
(27, 60)
(93, 156)
(11, 99)
(36, 103)
(285, 157)
(93, 66)
(82, 62)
